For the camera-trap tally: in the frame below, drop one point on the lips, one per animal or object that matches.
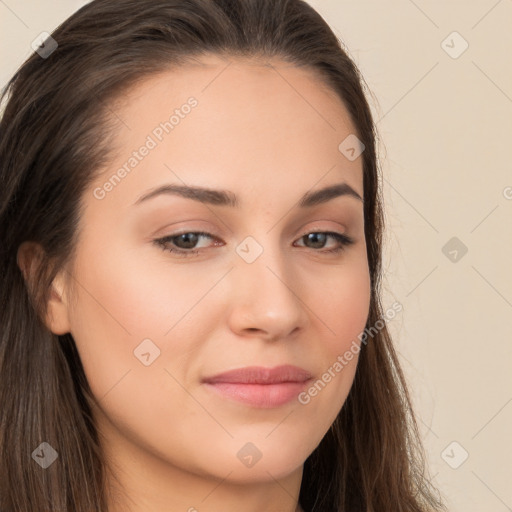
(256, 386)
(261, 375)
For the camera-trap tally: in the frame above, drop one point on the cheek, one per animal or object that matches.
(135, 297)
(341, 304)
(120, 304)
(341, 307)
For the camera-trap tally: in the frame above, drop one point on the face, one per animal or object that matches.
(171, 289)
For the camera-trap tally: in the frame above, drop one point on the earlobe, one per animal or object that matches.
(56, 320)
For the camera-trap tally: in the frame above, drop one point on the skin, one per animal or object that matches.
(268, 135)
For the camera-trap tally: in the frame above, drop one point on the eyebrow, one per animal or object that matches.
(220, 197)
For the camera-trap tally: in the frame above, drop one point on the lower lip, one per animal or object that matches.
(265, 396)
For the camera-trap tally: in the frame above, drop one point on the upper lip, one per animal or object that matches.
(261, 375)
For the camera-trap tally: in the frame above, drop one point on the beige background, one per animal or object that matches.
(446, 125)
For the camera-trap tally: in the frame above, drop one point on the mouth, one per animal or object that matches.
(258, 386)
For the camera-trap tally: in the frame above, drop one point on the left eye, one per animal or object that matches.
(189, 239)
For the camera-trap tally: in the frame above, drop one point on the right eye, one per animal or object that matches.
(187, 240)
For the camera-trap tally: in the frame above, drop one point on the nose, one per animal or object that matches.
(266, 299)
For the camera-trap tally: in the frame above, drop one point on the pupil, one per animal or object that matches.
(314, 238)
(190, 240)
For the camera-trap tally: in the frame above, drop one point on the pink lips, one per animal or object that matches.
(259, 386)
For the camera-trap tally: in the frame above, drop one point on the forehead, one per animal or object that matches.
(254, 122)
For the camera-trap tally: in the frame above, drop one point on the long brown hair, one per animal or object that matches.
(55, 134)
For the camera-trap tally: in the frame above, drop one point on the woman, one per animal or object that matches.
(192, 222)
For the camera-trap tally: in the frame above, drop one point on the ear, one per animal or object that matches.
(57, 318)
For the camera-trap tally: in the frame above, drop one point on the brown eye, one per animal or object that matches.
(318, 239)
(183, 243)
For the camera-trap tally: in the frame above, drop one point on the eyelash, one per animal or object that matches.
(344, 241)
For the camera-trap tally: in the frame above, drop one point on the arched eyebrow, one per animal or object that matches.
(221, 197)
